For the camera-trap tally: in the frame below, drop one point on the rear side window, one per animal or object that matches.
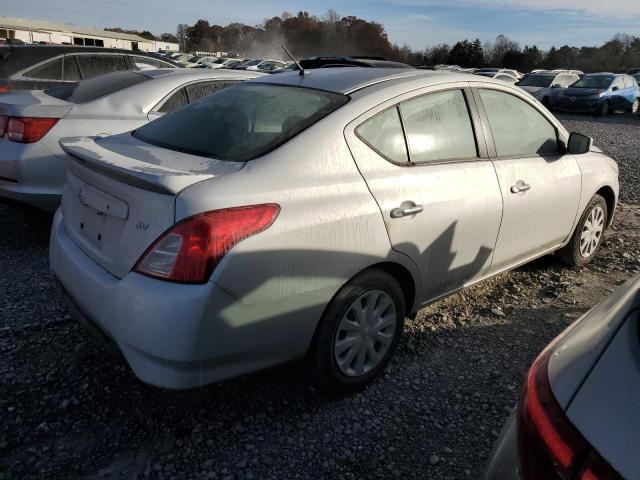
(175, 101)
(88, 90)
(143, 63)
(201, 89)
(242, 122)
(71, 72)
(518, 128)
(94, 65)
(49, 71)
(383, 133)
(438, 127)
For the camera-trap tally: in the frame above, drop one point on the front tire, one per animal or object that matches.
(587, 238)
(358, 333)
(635, 106)
(604, 110)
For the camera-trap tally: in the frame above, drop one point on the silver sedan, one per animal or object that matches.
(578, 413)
(33, 122)
(306, 215)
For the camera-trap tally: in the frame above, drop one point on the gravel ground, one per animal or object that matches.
(70, 410)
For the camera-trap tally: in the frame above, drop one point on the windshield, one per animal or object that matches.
(536, 81)
(600, 83)
(96, 87)
(242, 122)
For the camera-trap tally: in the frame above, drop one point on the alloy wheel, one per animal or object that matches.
(592, 232)
(635, 106)
(365, 333)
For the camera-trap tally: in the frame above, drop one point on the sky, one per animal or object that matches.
(418, 23)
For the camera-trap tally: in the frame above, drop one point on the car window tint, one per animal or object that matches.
(143, 63)
(93, 88)
(241, 122)
(518, 128)
(175, 101)
(383, 133)
(71, 72)
(49, 71)
(438, 127)
(94, 65)
(201, 89)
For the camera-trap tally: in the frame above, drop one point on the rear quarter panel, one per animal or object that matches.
(329, 227)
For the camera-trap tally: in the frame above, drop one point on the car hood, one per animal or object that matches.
(581, 92)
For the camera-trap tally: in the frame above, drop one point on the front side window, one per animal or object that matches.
(241, 122)
(383, 133)
(438, 127)
(94, 65)
(619, 82)
(49, 71)
(518, 128)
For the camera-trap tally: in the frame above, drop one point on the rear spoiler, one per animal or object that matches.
(145, 175)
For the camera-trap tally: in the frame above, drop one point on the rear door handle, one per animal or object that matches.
(520, 187)
(406, 212)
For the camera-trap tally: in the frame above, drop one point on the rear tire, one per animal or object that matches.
(587, 237)
(358, 333)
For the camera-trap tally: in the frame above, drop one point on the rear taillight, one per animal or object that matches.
(3, 124)
(28, 129)
(4, 89)
(550, 446)
(191, 249)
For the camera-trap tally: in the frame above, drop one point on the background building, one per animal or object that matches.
(41, 31)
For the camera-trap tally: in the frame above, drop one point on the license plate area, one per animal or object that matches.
(92, 225)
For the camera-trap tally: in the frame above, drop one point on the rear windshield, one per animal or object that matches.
(96, 87)
(593, 82)
(242, 122)
(536, 81)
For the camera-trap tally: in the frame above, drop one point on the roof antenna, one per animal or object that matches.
(301, 70)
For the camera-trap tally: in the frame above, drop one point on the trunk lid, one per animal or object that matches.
(119, 195)
(33, 103)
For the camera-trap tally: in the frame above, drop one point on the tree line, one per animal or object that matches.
(331, 34)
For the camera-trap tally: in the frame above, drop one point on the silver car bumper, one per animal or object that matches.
(504, 461)
(172, 335)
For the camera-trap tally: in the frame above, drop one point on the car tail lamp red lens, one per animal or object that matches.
(5, 89)
(28, 129)
(550, 446)
(191, 249)
(3, 124)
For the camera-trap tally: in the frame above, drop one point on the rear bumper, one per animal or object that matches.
(37, 174)
(180, 336)
(504, 461)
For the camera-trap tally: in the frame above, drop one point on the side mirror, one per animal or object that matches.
(556, 85)
(615, 89)
(579, 144)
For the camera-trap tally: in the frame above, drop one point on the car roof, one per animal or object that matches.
(350, 79)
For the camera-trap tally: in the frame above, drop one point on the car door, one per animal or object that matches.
(436, 188)
(540, 185)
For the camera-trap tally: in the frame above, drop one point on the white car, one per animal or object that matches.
(265, 66)
(32, 122)
(305, 216)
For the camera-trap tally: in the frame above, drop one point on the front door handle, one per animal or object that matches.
(520, 187)
(406, 212)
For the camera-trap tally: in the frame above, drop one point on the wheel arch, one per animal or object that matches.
(609, 196)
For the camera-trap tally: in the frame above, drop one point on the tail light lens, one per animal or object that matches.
(3, 124)
(28, 129)
(191, 249)
(4, 89)
(551, 448)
